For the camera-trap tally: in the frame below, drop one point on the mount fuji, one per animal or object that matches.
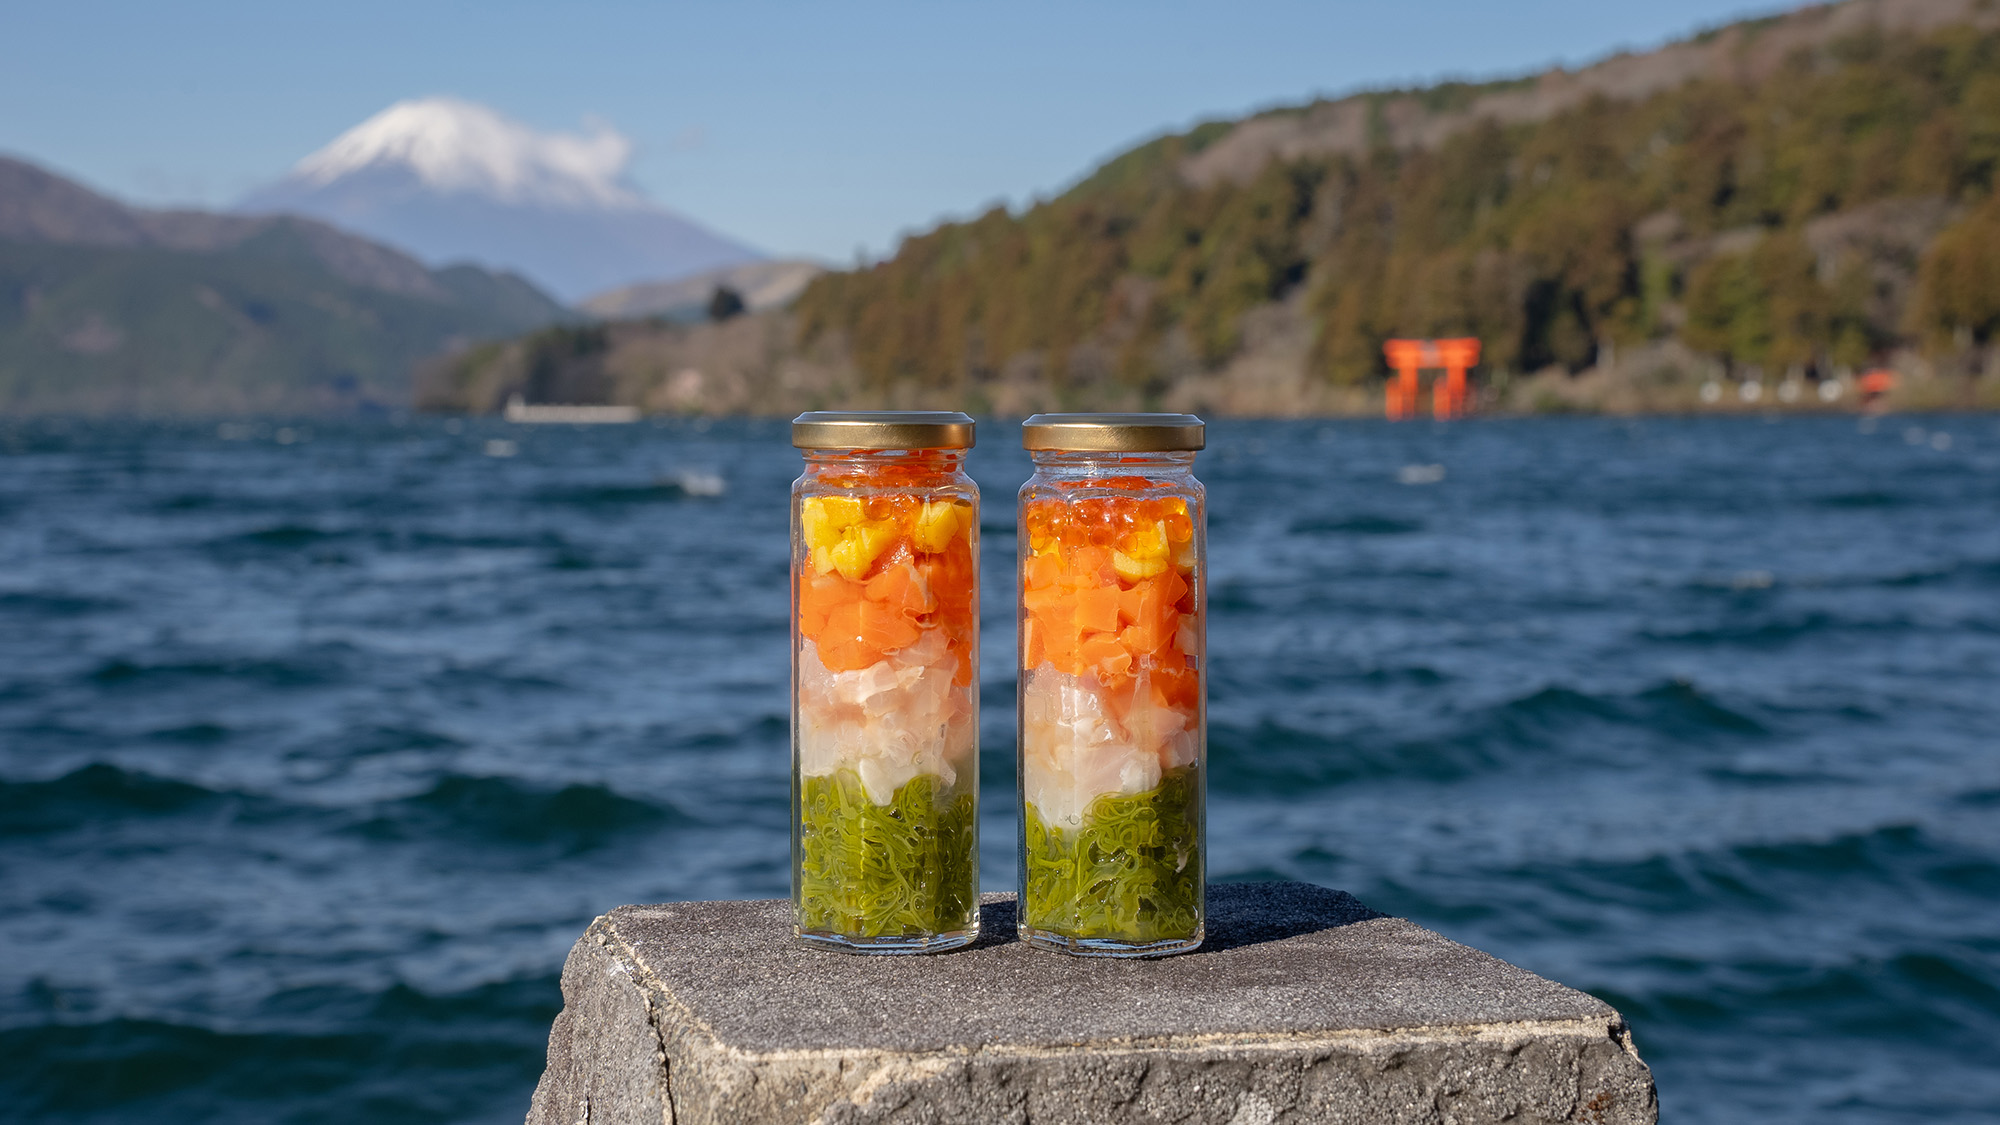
(454, 181)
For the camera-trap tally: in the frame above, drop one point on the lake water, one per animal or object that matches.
(321, 742)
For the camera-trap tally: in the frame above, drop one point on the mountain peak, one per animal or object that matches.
(453, 181)
(456, 146)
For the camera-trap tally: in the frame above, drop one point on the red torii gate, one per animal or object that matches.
(1449, 394)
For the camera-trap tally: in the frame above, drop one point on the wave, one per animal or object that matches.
(306, 671)
(1900, 860)
(196, 734)
(96, 793)
(367, 741)
(499, 810)
(321, 1055)
(287, 537)
(1273, 756)
(1977, 571)
(1867, 498)
(1679, 708)
(456, 808)
(196, 502)
(1771, 633)
(767, 729)
(427, 540)
(667, 490)
(458, 680)
(38, 604)
(1305, 677)
(1357, 525)
(284, 537)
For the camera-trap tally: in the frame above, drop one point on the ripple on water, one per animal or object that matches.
(504, 811)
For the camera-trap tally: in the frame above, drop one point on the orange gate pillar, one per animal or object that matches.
(1407, 357)
(1456, 357)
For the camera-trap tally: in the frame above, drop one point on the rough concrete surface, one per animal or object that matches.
(1303, 1006)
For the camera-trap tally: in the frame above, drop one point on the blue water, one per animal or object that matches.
(320, 743)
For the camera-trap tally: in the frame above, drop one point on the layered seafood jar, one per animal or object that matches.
(885, 683)
(1112, 689)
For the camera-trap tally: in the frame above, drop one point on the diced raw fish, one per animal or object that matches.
(888, 722)
(1078, 751)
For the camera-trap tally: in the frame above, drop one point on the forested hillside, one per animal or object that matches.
(1794, 195)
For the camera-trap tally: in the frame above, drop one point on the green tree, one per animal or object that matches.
(1958, 283)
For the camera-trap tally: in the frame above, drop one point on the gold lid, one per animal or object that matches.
(882, 429)
(1115, 433)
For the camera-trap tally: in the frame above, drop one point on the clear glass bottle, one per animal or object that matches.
(885, 683)
(1113, 735)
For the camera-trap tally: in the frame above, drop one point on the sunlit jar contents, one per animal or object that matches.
(1112, 688)
(885, 683)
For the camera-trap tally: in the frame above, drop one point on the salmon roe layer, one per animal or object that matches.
(881, 569)
(915, 469)
(1105, 591)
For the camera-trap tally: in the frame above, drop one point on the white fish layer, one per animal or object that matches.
(1076, 751)
(888, 722)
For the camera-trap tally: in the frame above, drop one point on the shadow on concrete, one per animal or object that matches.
(996, 921)
(1245, 914)
(1239, 915)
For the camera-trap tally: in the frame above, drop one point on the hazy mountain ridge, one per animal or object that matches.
(106, 308)
(762, 285)
(453, 181)
(41, 207)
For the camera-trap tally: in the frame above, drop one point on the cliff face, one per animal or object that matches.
(111, 309)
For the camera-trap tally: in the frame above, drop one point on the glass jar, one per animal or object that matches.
(885, 683)
(1113, 735)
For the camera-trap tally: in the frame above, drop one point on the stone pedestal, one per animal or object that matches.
(1304, 1006)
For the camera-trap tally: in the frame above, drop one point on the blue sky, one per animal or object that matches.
(823, 129)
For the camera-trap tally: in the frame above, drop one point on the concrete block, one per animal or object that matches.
(1303, 1006)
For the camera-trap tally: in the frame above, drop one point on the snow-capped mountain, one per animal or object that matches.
(455, 181)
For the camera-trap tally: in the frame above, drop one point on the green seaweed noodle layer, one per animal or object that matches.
(904, 869)
(1131, 873)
